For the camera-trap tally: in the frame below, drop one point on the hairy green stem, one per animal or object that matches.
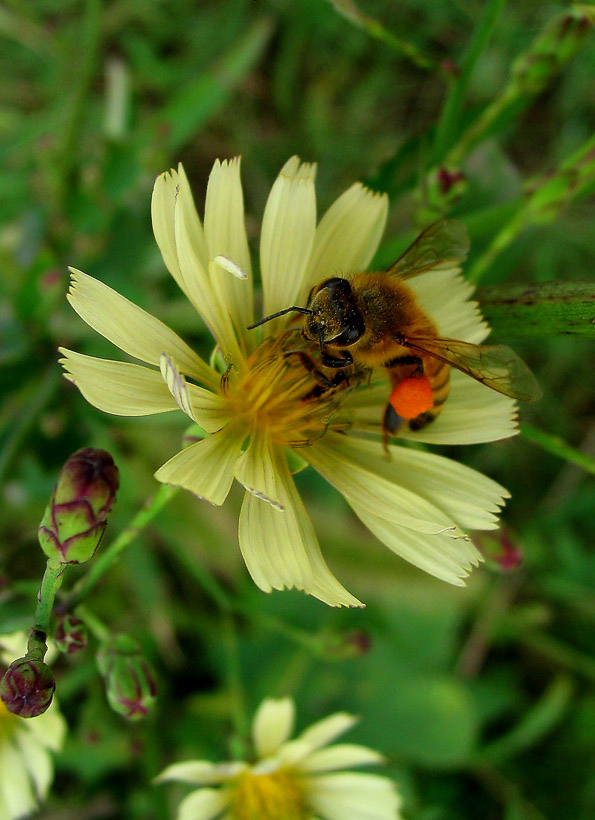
(558, 447)
(50, 584)
(451, 111)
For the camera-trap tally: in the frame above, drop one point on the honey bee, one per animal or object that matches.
(373, 319)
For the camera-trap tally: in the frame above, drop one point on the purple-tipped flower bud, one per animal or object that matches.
(501, 549)
(28, 687)
(342, 646)
(129, 680)
(550, 51)
(76, 517)
(71, 635)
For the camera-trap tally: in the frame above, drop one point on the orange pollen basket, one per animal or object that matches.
(412, 396)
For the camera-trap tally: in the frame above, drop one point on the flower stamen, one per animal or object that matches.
(267, 796)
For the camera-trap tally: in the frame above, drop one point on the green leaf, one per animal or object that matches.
(545, 309)
(196, 102)
(535, 724)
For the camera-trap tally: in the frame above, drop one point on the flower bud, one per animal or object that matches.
(549, 52)
(129, 680)
(346, 645)
(501, 550)
(71, 635)
(76, 517)
(28, 687)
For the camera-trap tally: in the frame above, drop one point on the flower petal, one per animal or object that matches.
(37, 761)
(465, 495)
(255, 469)
(176, 384)
(354, 796)
(280, 547)
(327, 729)
(120, 388)
(348, 235)
(272, 725)
(132, 329)
(203, 804)
(288, 228)
(49, 729)
(346, 464)
(225, 235)
(15, 787)
(195, 267)
(445, 296)
(200, 772)
(206, 467)
(165, 193)
(340, 756)
(442, 555)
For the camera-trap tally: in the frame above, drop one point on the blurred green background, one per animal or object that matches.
(481, 698)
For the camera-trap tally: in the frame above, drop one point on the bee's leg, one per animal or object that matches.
(333, 361)
(225, 377)
(324, 382)
(391, 421)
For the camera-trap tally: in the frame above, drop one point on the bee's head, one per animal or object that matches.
(333, 317)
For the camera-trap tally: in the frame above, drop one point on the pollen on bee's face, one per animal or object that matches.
(280, 392)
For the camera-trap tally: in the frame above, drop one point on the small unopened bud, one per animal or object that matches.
(71, 635)
(342, 646)
(76, 517)
(27, 687)
(129, 680)
(550, 51)
(501, 550)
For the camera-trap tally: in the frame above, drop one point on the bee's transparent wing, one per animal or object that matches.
(496, 366)
(440, 247)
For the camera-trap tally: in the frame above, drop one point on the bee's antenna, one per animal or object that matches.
(280, 313)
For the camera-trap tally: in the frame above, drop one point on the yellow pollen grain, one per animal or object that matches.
(271, 392)
(275, 796)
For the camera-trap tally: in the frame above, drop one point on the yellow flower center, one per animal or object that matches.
(281, 392)
(274, 796)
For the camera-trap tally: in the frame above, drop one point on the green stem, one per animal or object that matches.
(234, 686)
(501, 241)
(558, 447)
(451, 111)
(109, 556)
(93, 623)
(50, 584)
(219, 596)
(374, 28)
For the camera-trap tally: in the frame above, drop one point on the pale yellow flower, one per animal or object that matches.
(26, 744)
(301, 779)
(417, 503)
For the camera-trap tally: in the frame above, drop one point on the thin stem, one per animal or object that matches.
(558, 447)
(374, 28)
(93, 623)
(219, 596)
(108, 557)
(234, 685)
(451, 111)
(50, 584)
